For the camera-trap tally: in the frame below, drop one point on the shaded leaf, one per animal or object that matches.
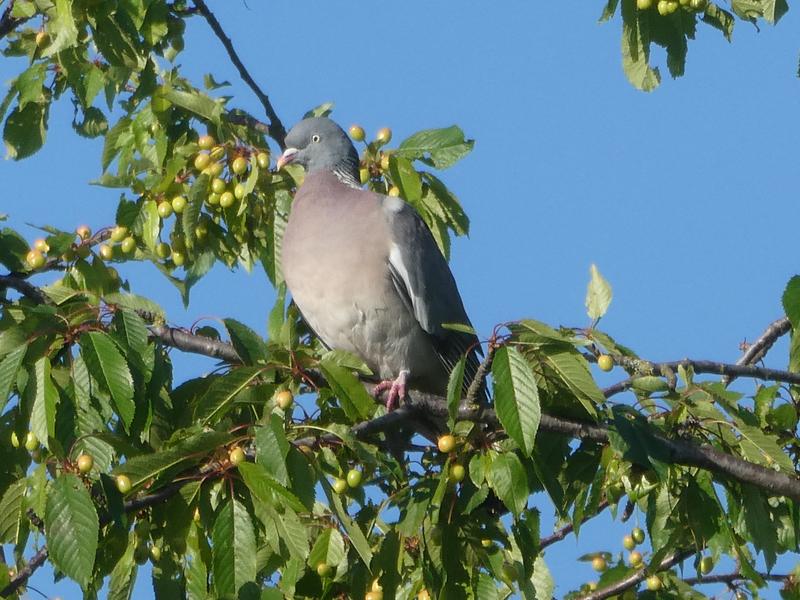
(234, 549)
(72, 528)
(516, 397)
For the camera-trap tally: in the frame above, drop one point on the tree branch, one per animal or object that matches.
(678, 451)
(276, 129)
(730, 578)
(560, 534)
(7, 22)
(758, 349)
(194, 343)
(699, 366)
(24, 287)
(637, 577)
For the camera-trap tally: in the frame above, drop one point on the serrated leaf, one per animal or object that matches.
(134, 331)
(272, 449)
(516, 397)
(72, 528)
(123, 576)
(292, 532)
(572, 369)
(506, 476)
(328, 548)
(195, 102)
(598, 295)
(234, 549)
(791, 301)
(8, 373)
(440, 147)
(405, 177)
(12, 512)
(62, 28)
(25, 130)
(216, 402)
(195, 570)
(266, 488)
(43, 413)
(356, 402)
(636, 49)
(108, 367)
(354, 533)
(189, 451)
(249, 345)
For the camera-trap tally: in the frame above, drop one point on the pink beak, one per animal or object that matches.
(286, 158)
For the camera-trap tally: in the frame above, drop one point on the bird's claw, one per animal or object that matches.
(398, 389)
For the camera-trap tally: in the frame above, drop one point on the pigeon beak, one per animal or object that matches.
(286, 158)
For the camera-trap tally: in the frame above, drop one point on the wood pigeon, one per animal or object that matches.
(366, 273)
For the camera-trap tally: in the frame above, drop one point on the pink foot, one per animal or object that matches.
(397, 390)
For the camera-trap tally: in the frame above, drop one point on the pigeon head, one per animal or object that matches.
(319, 144)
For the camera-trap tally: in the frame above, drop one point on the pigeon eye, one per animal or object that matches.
(315, 138)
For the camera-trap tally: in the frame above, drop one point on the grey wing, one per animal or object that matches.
(424, 281)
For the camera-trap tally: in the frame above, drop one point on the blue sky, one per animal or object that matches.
(685, 198)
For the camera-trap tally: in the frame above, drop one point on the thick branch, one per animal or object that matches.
(276, 128)
(193, 343)
(637, 577)
(24, 287)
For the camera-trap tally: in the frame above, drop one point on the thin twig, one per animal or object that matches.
(636, 578)
(732, 578)
(560, 534)
(758, 349)
(704, 366)
(36, 561)
(276, 129)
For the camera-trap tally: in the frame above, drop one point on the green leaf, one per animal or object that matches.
(506, 476)
(292, 532)
(516, 397)
(123, 576)
(598, 295)
(12, 512)
(356, 402)
(608, 10)
(272, 449)
(133, 329)
(719, 19)
(62, 28)
(791, 301)
(29, 84)
(323, 110)
(406, 178)
(25, 130)
(455, 387)
(195, 102)
(189, 451)
(234, 549)
(216, 402)
(72, 528)
(440, 147)
(328, 548)
(195, 570)
(636, 48)
(266, 488)
(107, 366)
(249, 345)
(8, 373)
(573, 370)
(354, 533)
(43, 413)
(114, 141)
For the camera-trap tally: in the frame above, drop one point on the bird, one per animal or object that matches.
(366, 273)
